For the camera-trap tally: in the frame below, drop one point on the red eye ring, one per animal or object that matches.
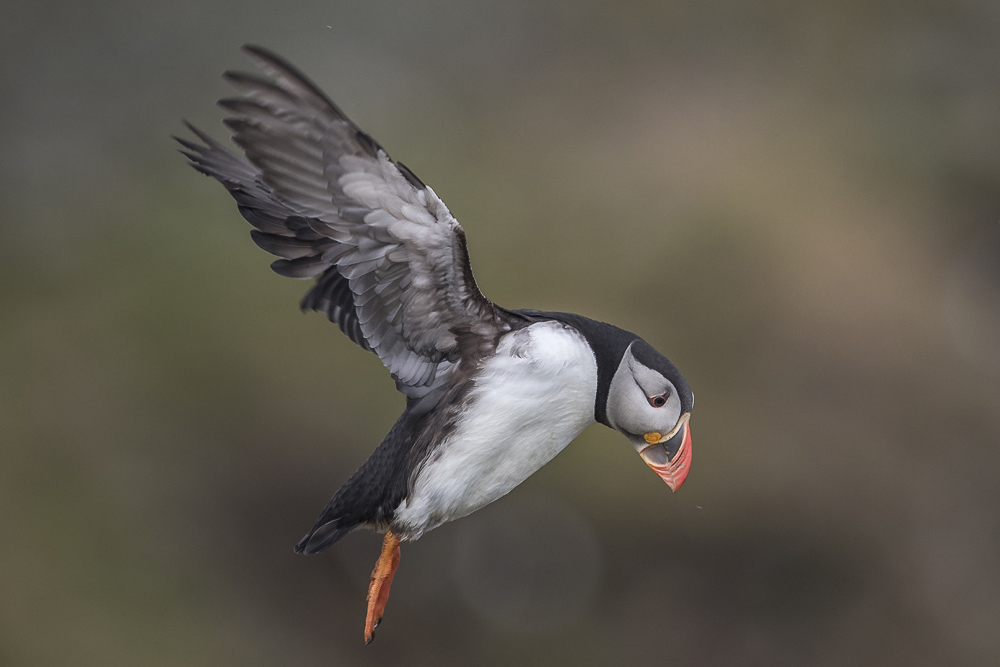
(658, 401)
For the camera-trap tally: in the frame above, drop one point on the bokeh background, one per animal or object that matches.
(797, 202)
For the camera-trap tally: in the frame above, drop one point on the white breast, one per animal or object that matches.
(530, 400)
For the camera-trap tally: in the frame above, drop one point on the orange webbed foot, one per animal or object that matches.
(378, 589)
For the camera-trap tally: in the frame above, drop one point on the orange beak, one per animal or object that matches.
(670, 455)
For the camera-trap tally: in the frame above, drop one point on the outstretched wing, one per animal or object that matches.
(391, 262)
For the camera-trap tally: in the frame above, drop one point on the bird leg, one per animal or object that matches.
(378, 589)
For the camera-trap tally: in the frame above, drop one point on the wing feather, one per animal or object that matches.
(390, 261)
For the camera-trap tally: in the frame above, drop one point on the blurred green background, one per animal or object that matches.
(797, 202)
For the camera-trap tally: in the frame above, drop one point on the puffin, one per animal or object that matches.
(492, 394)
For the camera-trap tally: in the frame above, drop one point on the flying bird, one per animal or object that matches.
(491, 394)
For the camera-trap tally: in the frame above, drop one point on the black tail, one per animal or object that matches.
(321, 537)
(372, 494)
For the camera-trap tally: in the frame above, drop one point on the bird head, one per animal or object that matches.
(650, 403)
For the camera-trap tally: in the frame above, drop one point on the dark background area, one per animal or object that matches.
(797, 203)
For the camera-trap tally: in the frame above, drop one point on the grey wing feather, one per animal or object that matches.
(391, 262)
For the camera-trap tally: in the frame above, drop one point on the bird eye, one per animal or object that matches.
(659, 401)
